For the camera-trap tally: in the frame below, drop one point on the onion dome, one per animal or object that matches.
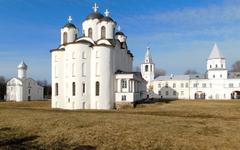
(69, 25)
(107, 19)
(94, 15)
(22, 65)
(119, 33)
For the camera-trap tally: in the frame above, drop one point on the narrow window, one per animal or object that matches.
(90, 32)
(97, 69)
(182, 85)
(146, 68)
(124, 97)
(186, 85)
(29, 91)
(73, 88)
(174, 85)
(124, 83)
(166, 92)
(222, 65)
(83, 69)
(174, 93)
(83, 88)
(210, 66)
(56, 89)
(75, 36)
(73, 69)
(64, 37)
(216, 66)
(103, 32)
(97, 88)
(214, 76)
(84, 55)
(159, 93)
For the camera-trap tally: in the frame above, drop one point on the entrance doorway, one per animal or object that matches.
(200, 95)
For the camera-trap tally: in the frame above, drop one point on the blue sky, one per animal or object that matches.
(181, 33)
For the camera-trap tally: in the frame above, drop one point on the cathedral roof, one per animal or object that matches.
(94, 15)
(69, 25)
(22, 65)
(215, 54)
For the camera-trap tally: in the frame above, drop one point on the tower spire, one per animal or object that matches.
(148, 57)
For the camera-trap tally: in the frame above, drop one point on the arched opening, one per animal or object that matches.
(235, 95)
(103, 32)
(65, 37)
(83, 69)
(200, 95)
(146, 68)
(73, 88)
(90, 32)
(97, 88)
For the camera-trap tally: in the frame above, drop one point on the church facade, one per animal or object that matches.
(93, 70)
(215, 84)
(22, 88)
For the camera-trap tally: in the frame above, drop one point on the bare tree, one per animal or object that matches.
(236, 66)
(3, 87)
(190, 72)
(137, 69)
(159, 72)
(47, 89)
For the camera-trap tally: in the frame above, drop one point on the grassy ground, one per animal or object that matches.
(175, 125)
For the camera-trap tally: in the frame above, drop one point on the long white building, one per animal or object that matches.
(22, 88)
(93, 70)
(215, 84)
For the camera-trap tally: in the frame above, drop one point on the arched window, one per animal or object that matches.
(90, 32)
(103, 32)
(216, 66)
(222, 65)
(146, 68)
(73, 88)
(210, 66)
(97, 88)
(65, 37)
(56, 89)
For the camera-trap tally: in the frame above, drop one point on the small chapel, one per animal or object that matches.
(22, 88)
(92, 69)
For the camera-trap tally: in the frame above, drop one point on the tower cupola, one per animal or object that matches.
(22, 70)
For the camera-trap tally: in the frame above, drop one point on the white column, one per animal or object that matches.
(133, 86)
(128, 88)
(119, 85)
(130, 85)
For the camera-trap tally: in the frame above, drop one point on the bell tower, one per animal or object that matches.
(148, 67)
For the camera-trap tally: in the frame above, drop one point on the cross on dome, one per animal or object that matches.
(95, 7)
(70, 19)
(106, 13)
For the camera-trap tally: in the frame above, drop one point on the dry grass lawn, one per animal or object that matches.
(175, 125)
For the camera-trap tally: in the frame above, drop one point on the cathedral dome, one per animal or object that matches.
(94, 15)
(69, 25)
(22, 65)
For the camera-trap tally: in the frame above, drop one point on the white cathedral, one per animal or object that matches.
(94, 70)
(217, 83)
(22, 88)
